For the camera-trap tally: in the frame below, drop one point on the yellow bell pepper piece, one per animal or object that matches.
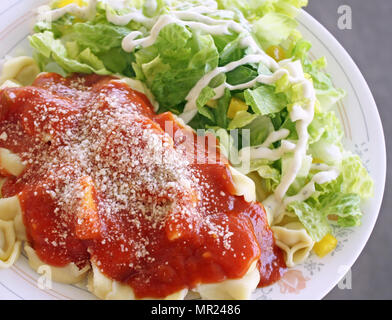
(235, 106)
(64, 3)
(317, 160)
(276, 53)
(325, 245)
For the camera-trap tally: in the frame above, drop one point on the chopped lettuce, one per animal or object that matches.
(175, 62)
(343, 205)
(273, 28)
(326, 93)
(98, 37)
(242, 74)
(325, 126)
(315, 222)
(270, 175)
(49, 49)
(258, 130)
(317, 214)
(263, 100)
(253, 9)
(356, 179)
(229, 50)
(241, 119)
(326, 134)
(206, 95)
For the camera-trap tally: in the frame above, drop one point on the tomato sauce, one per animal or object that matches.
(139, 194)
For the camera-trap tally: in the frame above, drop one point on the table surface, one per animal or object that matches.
(369, 44)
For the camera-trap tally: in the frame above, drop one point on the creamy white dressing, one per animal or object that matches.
(308, 190)
(263, 151)
(266, 153)
(122, 20)
(130, 42)
(190, 109)
(320, 167)
(302, 122)
(193, 18)
(275, 136)
(275, 208)
(297, 113)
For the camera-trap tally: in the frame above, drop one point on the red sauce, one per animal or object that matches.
(95, 189)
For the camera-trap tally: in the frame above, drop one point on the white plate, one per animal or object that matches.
(363, 135)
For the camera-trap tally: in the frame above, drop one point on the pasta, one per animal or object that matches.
(244, 185)
(238, 289)
(70, 274)
(10, 163)
(290, 235)
(105, 288)
(20, 71)
(293, 239)
(10, 210)
(9, 246)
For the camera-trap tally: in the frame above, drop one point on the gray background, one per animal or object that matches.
(369, 43)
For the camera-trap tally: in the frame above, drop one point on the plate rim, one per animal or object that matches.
(306, 18)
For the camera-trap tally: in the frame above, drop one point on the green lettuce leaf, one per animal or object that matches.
(241, 74)
(49, 49)
(356, 178)
(325, 125)
(205, 95)
(326, 93)
(314, 221)
(229, 50)
(344, 205)
(241, 119)
(99, 37)
(220, 112)
(273, 28)
(175, 62)
(259, 129)
(253, 9)
(263, 100)
(325, 135)
(271, 177)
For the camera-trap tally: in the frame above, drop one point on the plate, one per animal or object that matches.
(363, 135)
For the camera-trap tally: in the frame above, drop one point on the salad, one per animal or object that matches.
(239, 69)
